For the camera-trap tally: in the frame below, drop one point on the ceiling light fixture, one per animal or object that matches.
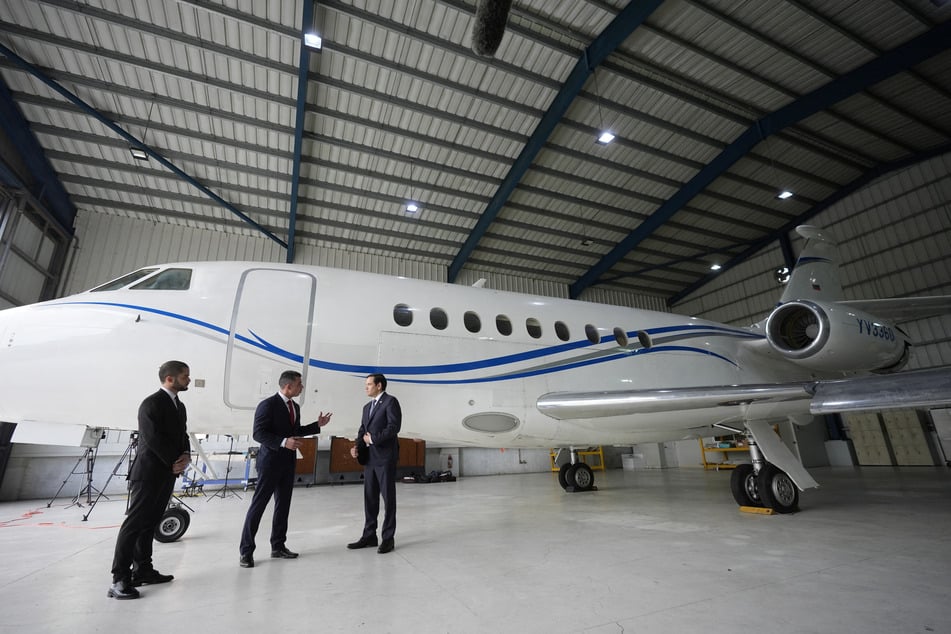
(139, 152)
(412, 205)
(784, 194)
(715, 267)
(605, 136)
(313, 41)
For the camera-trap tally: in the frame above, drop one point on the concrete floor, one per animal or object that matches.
(651, 551)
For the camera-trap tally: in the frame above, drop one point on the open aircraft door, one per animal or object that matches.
(268, 336)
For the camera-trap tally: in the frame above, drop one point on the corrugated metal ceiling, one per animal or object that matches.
(399, 108)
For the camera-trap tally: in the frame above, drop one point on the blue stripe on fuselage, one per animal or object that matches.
(257, 341)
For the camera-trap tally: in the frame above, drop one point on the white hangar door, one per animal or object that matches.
(269, 333)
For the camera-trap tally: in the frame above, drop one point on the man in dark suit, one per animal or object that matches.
(162, 453)
(277, 428)
(378, 431)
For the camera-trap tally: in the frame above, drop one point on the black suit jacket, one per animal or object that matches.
(384, 425)
(162, 437)
(272, 424)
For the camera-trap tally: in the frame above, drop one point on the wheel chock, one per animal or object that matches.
(757, 510)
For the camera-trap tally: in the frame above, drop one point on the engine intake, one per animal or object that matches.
(834, 338)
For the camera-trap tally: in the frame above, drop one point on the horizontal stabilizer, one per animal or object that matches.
(901, 309)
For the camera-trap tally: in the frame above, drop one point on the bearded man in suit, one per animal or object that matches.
(162, 454)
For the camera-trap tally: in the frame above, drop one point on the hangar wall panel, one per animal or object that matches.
(108, 246)
(513, 283)
(893, 238)
(547, 288)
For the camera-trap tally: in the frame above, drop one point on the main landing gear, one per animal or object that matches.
(575, 476)
(763, 484)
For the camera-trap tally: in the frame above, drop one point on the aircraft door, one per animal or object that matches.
(270, 332)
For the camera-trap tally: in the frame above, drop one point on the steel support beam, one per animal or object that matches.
(303, 71)
(782, 234)
(89, 110)
(624, 23)
(46, 187)
(895, 61)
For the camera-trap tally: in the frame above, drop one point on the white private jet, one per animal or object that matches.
(471, 366)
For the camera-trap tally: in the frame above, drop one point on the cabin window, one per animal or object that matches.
(533, 327)
(561, 330)
(167, 280)
(125, 280)
(592, 334)
(439, 319)
(503, 325)
(621, 337)
(472, 321)
(402, 315)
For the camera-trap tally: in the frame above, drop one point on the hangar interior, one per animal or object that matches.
(135, 133)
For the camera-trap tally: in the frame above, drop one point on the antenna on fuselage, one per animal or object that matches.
(480, 283)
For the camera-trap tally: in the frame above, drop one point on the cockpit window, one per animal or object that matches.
(125, 280)
(167, 280)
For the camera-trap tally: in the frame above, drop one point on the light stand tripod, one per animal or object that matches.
(91, 442)
(225, 490)
(128, 453)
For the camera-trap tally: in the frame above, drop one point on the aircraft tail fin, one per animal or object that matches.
(816, 274)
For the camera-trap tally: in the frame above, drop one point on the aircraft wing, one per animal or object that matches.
(915, 389)
(571, 405)
(918, 389)
(903, 309)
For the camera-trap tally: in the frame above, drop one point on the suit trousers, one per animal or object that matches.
(379, 480)
(275, 480)
(148, 500)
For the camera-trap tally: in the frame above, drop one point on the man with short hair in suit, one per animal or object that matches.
(382, 418)
(277, 428)
(162, 454)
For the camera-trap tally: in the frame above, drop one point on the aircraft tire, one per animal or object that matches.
(174, 523)
(743, 485)
(563, 475)
(777, 490)
(580, 477)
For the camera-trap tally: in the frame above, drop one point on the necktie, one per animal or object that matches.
(290, 411)
(372, 405)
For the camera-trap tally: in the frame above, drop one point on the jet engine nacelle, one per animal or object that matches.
(835, 338)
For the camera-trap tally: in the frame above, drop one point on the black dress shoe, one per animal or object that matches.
(363, 542)
(150, 577)
(283, 553)
(246, 561)
(122, 589)
(386, 546)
